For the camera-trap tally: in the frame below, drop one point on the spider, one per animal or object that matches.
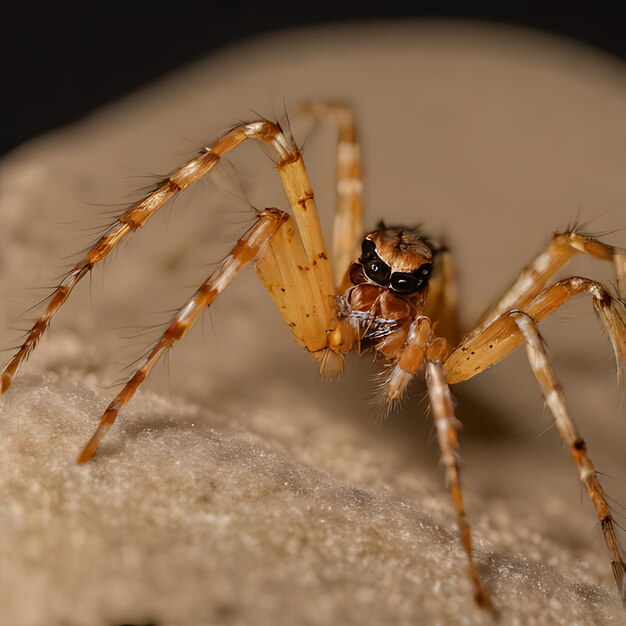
(392, 293)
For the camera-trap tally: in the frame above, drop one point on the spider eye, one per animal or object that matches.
(406, 283)
(378, 271)
(410, 282)
(424, 271)
(375, 268)
(368, 250)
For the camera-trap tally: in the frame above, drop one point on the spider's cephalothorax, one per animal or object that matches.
(389, 288)
(398, 298)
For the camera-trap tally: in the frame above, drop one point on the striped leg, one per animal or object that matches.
(348, 224)
(443, 413)
(244, 251)
(295, 184)
(555, 399)
(478, 352)
(410, 361)
(535, 277)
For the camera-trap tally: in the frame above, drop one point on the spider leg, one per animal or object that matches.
(423, 349)
(407, 349)
(445, 426)
(283, 268)
(555, 399)
(244, 251)
(348, 223)
(535, 277)
(480, 350)
(295, 184)
(410, 361)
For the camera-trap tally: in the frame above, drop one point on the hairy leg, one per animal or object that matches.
(409, 355)
(480, 350)
(535, 277)
(244, 251)
(295, 184)
(445, 426)
(555, 399)
(283, 268)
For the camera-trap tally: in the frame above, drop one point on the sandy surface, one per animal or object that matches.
(238, 488)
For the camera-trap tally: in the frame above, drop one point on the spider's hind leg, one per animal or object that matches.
(442, 304)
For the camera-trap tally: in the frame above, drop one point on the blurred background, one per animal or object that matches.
(58, 63)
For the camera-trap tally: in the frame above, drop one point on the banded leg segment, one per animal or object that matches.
(297, 188)
(244, 251)
(555, 399)
(534, 278)
(411, 358)
(445, 426)
(348, 222)
(479, 351)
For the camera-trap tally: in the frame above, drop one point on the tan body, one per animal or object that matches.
(398, 299)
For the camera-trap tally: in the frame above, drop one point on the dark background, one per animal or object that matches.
(57, 64)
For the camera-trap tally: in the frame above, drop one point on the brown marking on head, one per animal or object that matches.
(402, 249)
(397, 259)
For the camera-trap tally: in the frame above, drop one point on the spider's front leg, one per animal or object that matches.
(245, 250)
(278, 251)
(294, 266)
(424, 351)
(446, 428)
(295, 184)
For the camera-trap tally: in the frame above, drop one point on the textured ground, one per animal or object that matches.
(239, 489)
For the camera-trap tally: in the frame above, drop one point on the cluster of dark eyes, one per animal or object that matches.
(379, 272)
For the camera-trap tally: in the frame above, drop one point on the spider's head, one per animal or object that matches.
(396, 258)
